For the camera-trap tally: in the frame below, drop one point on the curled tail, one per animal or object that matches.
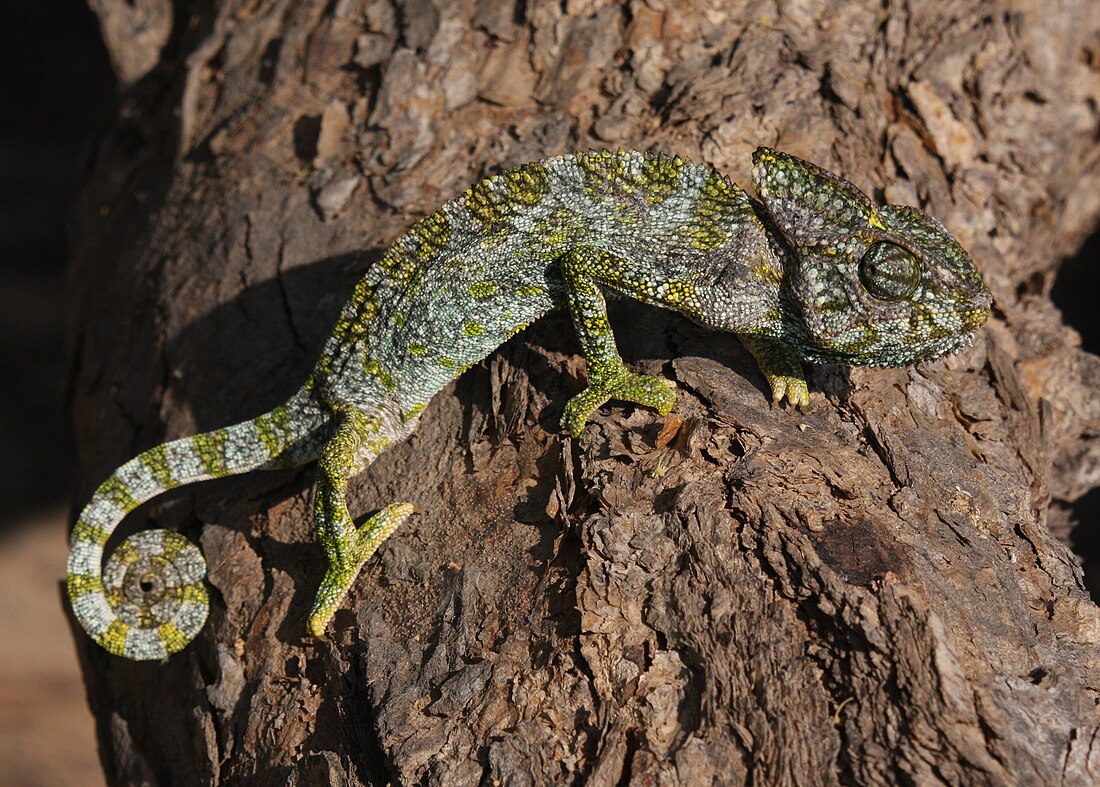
(150, 599)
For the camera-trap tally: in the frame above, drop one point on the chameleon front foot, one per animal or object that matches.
(792, 388)
(655, 392)
(782, 369)
(346, 557)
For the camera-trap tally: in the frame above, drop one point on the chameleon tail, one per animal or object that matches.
(150, 599)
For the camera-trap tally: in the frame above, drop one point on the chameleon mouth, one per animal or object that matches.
(947, 348)
(907, 352)
(982, 305)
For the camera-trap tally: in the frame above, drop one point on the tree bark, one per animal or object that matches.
(866, 593)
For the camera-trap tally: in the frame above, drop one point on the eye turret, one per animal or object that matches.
(889, 273)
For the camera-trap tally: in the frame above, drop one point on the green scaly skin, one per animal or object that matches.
(811, 271)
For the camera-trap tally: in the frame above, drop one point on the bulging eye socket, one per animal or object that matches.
(888, 272)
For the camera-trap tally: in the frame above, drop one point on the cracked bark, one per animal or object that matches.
(868, 593)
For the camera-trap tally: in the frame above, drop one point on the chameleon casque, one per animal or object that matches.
(812, 271)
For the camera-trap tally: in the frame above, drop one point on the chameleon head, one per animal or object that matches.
(874, 286)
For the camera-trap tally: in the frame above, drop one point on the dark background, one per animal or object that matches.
(1075, 292)
(58, 93)
(60, 98)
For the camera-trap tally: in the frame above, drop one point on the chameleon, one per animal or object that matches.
(810, 270)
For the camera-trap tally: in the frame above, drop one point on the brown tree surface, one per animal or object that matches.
(867, 593)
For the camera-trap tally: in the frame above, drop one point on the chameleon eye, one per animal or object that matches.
(889, 272)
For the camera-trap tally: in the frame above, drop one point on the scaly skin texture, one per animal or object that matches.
(810, 272)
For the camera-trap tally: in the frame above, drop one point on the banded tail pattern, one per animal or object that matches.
(150, 600)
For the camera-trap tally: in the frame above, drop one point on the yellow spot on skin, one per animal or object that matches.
(494, 200)
(450, 363)
(418, 348)
(412, 412)
(172, 547)
(193, 593)
(362, 310)
(857, 345)
(718, 194)
(974, 318)
(554, 230)
(704, 236)
(172, 637)
(210, 449)
(398, 262)
(376, 444)
(526, 183)
(482, 289)
(432, 234)
(79, 584)
(662, 177)
(89, 533)
(155, 460)
(116, 491)
(767, 274)
(114, 638)
(473, 328)
(272, 428)
(126, 553)
(374, 368)
(679, 293)
(323, 370)
(483, 205)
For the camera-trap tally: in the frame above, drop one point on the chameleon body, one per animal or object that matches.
(811, 271)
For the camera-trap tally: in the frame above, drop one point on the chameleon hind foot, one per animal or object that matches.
(645, 389)
(347, 557)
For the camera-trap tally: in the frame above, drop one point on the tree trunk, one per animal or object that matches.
(865, 593)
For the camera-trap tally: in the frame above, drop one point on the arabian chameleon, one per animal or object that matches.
(810, 271)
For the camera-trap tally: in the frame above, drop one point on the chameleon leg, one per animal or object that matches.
(782, 368)
(608, 377)
(346, 546)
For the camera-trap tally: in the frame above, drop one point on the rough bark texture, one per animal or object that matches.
(868, 593)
